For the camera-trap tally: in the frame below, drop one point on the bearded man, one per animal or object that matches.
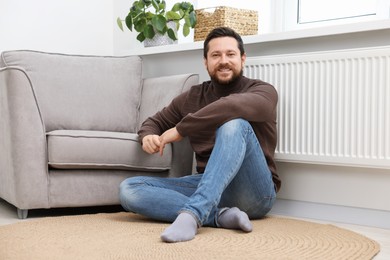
(231, 124)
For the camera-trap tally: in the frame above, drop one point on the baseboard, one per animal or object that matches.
(334, 213)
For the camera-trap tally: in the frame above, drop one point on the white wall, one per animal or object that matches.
(67, 26)
(87, 26)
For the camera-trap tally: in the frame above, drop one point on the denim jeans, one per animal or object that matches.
(236, 175)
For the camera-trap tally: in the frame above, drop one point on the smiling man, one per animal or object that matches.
(231, 124)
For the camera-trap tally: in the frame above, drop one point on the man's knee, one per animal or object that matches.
(129, 192)
(129, 186)
(233, 126)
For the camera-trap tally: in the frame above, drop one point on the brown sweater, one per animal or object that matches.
(198, 113)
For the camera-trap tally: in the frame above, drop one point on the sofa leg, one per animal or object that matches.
(22, 213)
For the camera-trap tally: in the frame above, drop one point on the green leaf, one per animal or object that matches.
(186, 30)
(140, 25)
(161, 7)
(149, 15)
(141, 37)
(164, 30)
(159, 22)
(172, 15)
(119, 23)
(147, 2)
(187, 21)
(139, 4)
(172, 34)
(129, 22)
(156, 5)
(191, 9)
(185, 5)
(193, 21)
(149, 31)
(176, 7)
(134, 11)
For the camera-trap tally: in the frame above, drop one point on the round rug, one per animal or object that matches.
(129, 236)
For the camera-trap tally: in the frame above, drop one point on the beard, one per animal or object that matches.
(224, 81)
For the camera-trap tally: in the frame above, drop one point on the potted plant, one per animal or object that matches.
(149, 18)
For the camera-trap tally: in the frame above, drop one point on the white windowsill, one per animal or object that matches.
(272, 37)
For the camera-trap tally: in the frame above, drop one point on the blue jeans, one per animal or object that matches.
(236, 175)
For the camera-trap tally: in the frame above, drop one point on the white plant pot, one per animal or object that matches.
(160, 39)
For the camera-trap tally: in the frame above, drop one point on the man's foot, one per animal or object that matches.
(184, 228)
(234, 218)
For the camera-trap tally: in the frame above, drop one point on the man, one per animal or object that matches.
(231, 124)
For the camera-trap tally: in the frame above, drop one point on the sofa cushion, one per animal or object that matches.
(75, 149)
(103, 91)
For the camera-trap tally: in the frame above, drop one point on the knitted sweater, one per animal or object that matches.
(198, 112)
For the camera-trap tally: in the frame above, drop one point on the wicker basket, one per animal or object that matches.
(242, 21)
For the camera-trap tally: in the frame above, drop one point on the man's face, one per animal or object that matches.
(224, 62)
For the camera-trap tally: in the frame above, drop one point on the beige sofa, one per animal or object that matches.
(68, 127)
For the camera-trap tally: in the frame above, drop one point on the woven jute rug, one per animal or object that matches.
(128, 236)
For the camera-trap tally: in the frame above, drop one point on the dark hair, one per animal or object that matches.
(222, 32)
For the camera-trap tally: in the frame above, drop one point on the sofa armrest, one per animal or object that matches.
(23, 157)
(158, 93)
(182, 158)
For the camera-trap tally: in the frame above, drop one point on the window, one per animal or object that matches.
(300, 14)
(311, 11)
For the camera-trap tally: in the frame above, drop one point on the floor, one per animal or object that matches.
(8, 216)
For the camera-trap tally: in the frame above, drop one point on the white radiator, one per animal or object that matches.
(334, 107)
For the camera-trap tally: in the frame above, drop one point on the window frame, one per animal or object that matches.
(286, 16)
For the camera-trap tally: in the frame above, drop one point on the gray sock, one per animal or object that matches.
(184, 228)
(234, 218)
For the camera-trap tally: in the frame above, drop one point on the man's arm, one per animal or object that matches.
(154, 143)
(258, 104)
(160, 122)
(169, 136)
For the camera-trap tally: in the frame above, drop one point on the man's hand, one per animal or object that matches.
(151, 144)
(169, 136)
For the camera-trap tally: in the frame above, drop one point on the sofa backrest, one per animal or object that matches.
(160, 91)
(82, 92)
